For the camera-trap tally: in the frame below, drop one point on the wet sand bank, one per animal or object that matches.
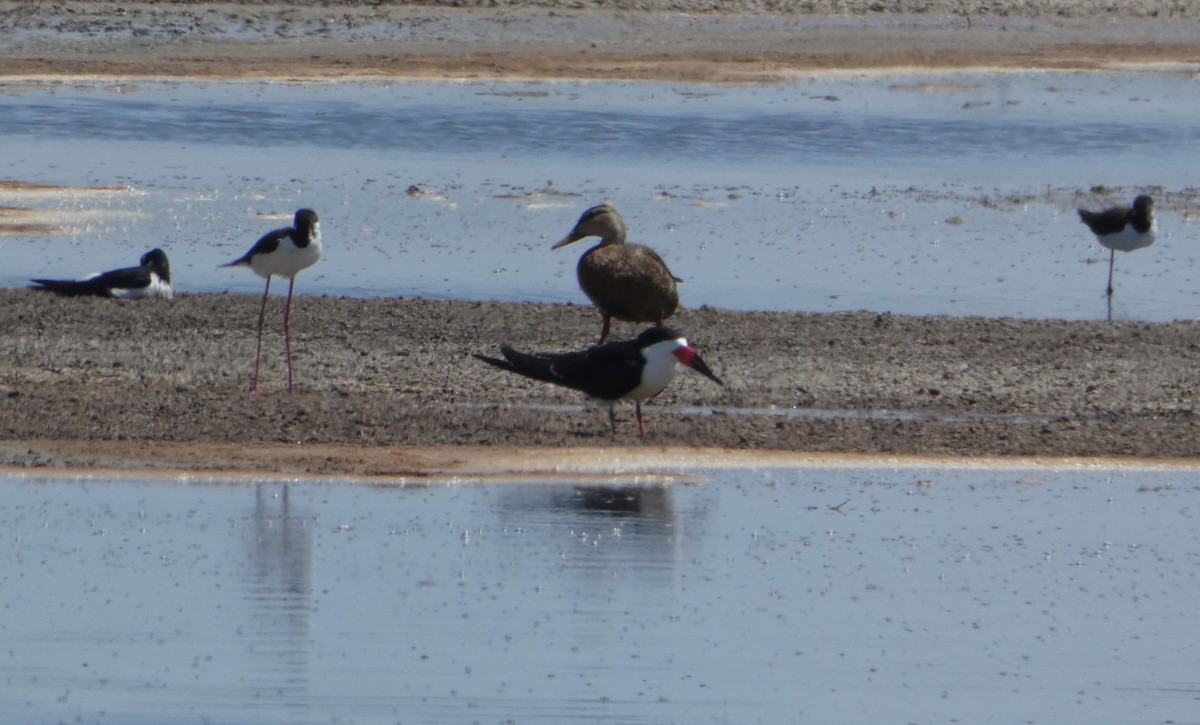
(393, 373)
(664, 40)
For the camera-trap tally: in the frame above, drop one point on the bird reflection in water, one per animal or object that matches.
(642, 517)
(627, 500)
(278, 590)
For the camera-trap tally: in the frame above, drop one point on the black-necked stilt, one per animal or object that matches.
(151, 279)
(626, 281)
(634, 370)
(1122, 228)
(284, 252)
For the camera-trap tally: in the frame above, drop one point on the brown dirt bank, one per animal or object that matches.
(136, 376)
(673, 40)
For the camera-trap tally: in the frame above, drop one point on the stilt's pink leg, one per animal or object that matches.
(641, 428)
(287, 332)
(262, 312)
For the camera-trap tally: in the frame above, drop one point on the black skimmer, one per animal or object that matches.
(634, 370)
(1122, 228)
(152, 278)
(626, 281)
(284, 252)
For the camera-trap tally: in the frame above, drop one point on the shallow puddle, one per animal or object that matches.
(910, 193)
(823, 595)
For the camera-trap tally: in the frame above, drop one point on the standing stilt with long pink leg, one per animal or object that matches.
(287, 331)
(262, 313)
(284, 252)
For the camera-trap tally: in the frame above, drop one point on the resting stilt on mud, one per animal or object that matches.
(152, 278)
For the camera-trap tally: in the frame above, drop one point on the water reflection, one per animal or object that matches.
(621, 501)
(643, 518)
(608, 527)
(841, 595)
(278, 588)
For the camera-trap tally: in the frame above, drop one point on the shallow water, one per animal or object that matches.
(844, 595)
(905, 193)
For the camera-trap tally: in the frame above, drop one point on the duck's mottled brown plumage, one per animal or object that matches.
(626, 281)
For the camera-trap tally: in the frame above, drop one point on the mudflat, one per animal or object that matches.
(684, 40)
(92, 381)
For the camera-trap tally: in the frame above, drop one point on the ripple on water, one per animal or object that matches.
(840, 593)
(918, 194)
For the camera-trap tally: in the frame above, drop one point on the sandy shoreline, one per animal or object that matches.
(111, 380)
(666, 40)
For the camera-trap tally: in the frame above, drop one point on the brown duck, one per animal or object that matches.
(626, 281)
